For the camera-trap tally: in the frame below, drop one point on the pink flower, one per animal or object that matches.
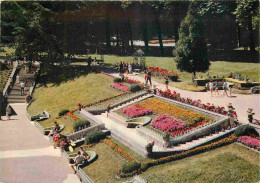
(134, 111)
(119, 86)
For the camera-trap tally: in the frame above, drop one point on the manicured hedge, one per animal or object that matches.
(63, 111)
(135, 88)
(245, 130)
(81, 124)
(117, 80)
(94, 137)
(130, 166)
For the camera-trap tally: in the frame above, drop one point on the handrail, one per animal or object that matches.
(11, 78)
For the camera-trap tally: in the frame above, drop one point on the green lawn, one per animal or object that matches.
(220, 68)
(85, 89)
(232, 163)
(105, 167)
(7, 51)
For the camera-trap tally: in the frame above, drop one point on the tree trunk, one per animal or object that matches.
(131, 35)
(108, 34)
(251, 35)
(145, 35)
(159, 31)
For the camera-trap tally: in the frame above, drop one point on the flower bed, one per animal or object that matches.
(157, 71)
(249, 141)
(136, 110)
(118, 150)
(160, 107)
(119, 86)
(178, 156)
(165, 123)
(176, 96)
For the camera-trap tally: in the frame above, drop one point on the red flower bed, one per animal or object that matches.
(165, 123)
(249, 141)
(119, 86)
(134, 111)
(162, 71)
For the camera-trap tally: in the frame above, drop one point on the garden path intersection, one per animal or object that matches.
(26, 156)
(239, 101)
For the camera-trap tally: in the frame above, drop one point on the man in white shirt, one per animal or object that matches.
(211, 87)
(78, 160)
(22, 87)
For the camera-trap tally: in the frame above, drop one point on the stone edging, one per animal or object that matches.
(99, 111)
(11, 78)
(81, 174)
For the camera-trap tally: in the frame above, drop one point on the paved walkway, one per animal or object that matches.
(240, 102)
(27, 156)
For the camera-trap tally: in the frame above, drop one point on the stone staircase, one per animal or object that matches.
(15, 94)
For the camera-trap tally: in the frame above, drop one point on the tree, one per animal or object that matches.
(191, 49)
(246, 14)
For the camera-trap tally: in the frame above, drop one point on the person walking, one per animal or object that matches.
(79, 106)
(149, 78)
(216, 88)
(211, 87)
(108, 108)
(225, 88)
(17, 79)
(166, 82)
(120, 68)
(8, 112)
(22, 87)
(130, 68)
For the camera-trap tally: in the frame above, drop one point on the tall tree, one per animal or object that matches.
(246, 13)
(191, 49)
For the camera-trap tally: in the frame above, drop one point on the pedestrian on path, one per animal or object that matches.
(166, 82)
(108, 108)
(211, 87)
(225, 88)
(78, 160)
(230, 89)
(79, 106)
(22, 87)
(8, 112)
(216, 88)
(17, 79)
(149, 78)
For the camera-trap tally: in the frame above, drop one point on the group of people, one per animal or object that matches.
(82, 155)
(125, 67)
(226, 87)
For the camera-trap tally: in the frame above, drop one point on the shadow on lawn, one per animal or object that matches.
(58, 74)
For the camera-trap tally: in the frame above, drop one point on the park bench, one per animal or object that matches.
(48, 130)
(92, 156)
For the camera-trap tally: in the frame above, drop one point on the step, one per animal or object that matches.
(16, 101)
(17, 97)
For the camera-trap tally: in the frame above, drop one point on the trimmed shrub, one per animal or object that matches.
(81, 124)
(35, 117)
(173, 77)
(63, 111)
(130, 166)
(117, 80)
(245, 130)
(95, 136)
(135, 88)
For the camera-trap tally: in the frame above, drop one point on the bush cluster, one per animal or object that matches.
(245, 130)
(135, 88)
(117, 80)
(63, 111)
(130, 166)
(94, 137)
(81, 124)
(35, 117)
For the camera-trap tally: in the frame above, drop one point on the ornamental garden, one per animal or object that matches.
(90, 89)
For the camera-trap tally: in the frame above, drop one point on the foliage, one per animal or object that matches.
(136, 110)
(119, 150)
(249, 141)
(119, 86)
(35, 117)
(94, 137)
(165, 123)
(191, 50)
(161, 107)
(135, 88)
(130, 166)
(117, 80)
(63, 111)
(245, 130)
(81, 124)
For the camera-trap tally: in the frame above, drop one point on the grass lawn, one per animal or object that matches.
(85, 89)
(231, 163)
(105, 167)
(220, 68)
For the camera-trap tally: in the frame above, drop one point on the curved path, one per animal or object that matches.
(240, 102)
(27, 156)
